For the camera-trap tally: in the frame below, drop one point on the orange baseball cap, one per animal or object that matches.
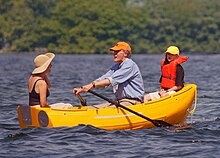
(121, 46)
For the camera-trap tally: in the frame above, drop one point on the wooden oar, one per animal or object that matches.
(83, 101)
(158, 123)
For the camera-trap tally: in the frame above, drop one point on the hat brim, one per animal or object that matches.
(171, 53)
(44, 67)
(115, 48)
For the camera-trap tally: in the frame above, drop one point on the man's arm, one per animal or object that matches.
(92, 85)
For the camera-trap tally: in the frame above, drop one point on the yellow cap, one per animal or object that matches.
(173, 50)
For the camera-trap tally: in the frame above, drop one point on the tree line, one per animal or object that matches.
(92, 26)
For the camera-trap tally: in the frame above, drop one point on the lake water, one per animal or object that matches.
(69, 71)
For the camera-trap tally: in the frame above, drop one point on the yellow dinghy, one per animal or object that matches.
(173, 109)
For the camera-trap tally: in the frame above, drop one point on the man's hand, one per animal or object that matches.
(85, 88)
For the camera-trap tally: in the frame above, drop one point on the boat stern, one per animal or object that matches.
(32, 117)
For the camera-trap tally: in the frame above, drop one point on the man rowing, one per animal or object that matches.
(124, 77)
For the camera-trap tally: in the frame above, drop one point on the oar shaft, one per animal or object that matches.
(119, 105)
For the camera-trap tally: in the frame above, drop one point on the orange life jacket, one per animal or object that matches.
(169, 72)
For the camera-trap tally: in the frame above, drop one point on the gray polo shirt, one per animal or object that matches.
(126, 80)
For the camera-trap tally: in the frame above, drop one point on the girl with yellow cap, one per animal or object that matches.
(172, 77)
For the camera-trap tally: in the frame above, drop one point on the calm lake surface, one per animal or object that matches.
(68, 71)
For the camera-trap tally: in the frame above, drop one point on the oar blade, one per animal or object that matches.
(178, 128)
(160, 123)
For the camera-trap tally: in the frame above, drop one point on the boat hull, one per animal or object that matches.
(173, 109)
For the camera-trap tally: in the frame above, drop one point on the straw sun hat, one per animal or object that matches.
(42, 62)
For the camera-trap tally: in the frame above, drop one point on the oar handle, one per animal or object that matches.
(83, 102)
